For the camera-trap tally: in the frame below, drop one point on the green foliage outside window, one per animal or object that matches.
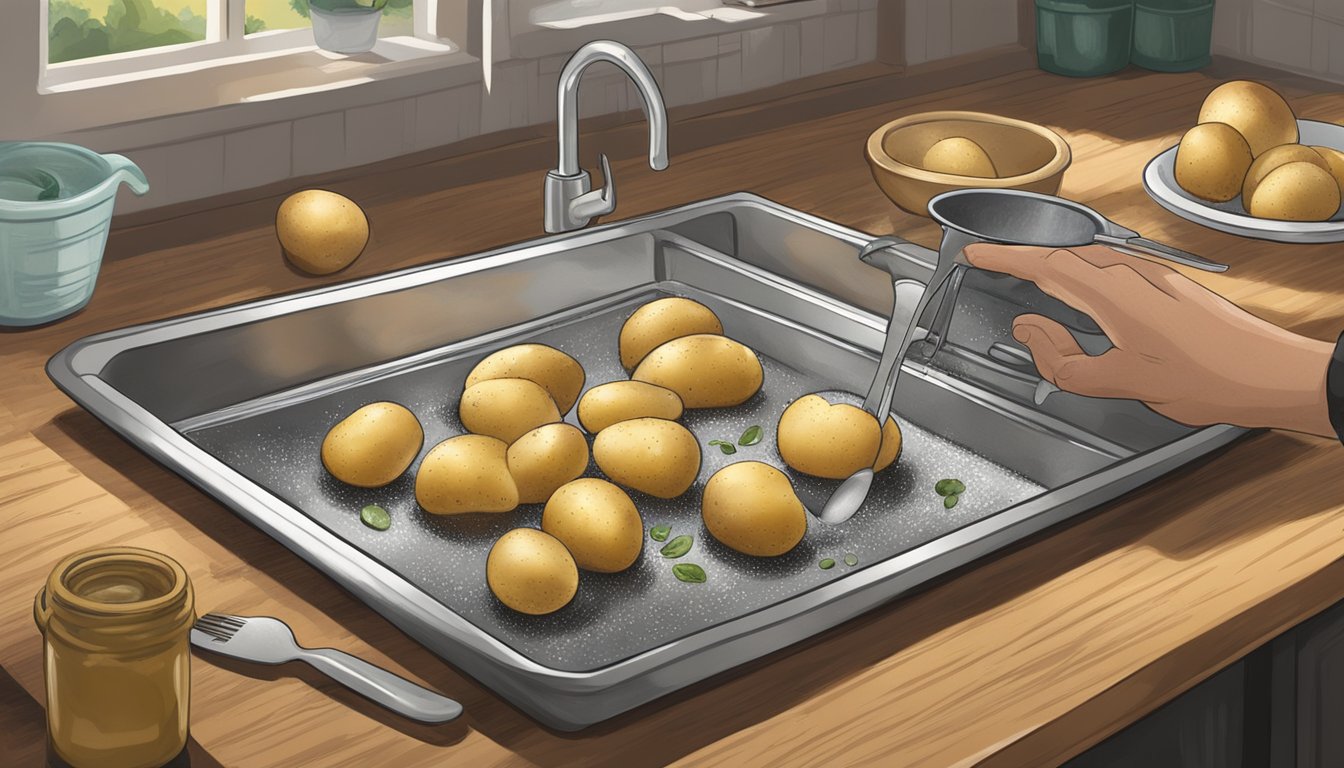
(129, 25)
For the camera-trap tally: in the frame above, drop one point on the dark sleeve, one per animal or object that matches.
(1334, 388)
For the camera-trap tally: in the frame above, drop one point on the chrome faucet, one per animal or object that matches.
(571, 201)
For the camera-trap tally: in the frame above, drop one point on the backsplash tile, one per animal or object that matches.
(257, 156)
(318, 143)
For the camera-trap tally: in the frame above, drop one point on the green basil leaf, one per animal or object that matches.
(827, 564)
(851, 560)
(752, 436)
(375, 517)
(677, 547)
(949, 487)
(659, 532)
(950, 500)
(689, 573)
(724, 446)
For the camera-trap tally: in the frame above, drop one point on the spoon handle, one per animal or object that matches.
(1163, 251)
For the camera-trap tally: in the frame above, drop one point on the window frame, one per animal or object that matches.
(225, 39)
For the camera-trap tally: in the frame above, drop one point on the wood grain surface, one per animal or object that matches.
(1023, 659)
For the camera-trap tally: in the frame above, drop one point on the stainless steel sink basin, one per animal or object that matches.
(237, 401)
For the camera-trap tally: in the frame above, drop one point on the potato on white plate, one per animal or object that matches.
(1211, 161)
(559, 374)
(545, 459)
(464, 474)
(661, 321)
(654, 456)
(531, 572)
(372, 446)
(616, 401)
(506, 409)
(597, 522)
(705, 370)
(752, 508)
(1258, 113)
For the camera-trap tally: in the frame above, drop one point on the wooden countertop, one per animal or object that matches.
(1023, 659)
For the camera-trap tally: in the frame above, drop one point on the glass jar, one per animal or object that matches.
(116, 623)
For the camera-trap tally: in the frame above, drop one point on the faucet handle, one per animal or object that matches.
(598, 202)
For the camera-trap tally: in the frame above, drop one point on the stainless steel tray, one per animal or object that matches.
(237, 400)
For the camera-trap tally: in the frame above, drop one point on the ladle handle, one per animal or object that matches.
(1163, 251)
(907, 296)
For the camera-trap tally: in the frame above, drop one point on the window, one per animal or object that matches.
(90, 39)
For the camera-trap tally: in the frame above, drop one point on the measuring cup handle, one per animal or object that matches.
(1164, 251)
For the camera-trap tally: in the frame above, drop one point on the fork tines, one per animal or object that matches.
(220, 626)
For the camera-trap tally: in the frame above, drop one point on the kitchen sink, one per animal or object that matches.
(237, 401)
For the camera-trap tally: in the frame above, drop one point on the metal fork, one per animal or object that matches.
(267, 640)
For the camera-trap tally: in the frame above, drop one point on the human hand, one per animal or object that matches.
(1183, 350)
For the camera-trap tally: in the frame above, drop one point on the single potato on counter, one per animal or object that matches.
(616, 401)
(752, 508)
(545, 459)
(321, 232)
(959, 156)
(597, 522)
(506, 409)
(531, 572)
(556, 372)
(654, 456)
(464, 474)
(705, 370)
(372, 446)
(661, 321)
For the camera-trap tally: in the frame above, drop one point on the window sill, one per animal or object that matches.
(210, 97)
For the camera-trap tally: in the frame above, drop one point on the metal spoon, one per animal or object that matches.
(911, 297)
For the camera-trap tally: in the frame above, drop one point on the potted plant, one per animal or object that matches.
(343, 26)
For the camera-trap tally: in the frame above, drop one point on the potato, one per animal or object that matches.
(1269, 161)
(597, 522)
(506, 409)
(467, 473)
(320, 232)
(959, 156)
(655, 456)
(545, 459)
(557, 373)
(372, 446)
(891, 446)
(824, 440)
(1334, 159)
(616, 401)
(531, 572)
(1258, 113)
(752, 508)
(1296, 192)
(1211, 161)
(661, 321)
(706, 371)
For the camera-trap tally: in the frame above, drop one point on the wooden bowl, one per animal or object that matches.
(1028, 156)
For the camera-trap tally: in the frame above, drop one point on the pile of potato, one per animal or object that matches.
(519, 451)
(1246, 143)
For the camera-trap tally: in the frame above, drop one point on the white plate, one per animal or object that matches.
(1159, 178)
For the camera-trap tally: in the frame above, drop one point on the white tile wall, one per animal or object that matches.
(1301, 35)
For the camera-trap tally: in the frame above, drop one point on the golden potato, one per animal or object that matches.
(506, 409)
(531, 572)
(705, 371)
(616, 401)
(372, 446)
(959, 156)
(321, 232)
(890, 450)
(1258, 113)
(655, 456)
(557, 373)
(661, 321)
(752, 508)
(597, 522)
(824, 440)
(1211, 161)
(1334, 160)
(1272, 159)
(545, 459)
(1296, 192)
(467, 473)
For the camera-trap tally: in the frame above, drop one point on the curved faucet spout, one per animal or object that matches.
(568, 102)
